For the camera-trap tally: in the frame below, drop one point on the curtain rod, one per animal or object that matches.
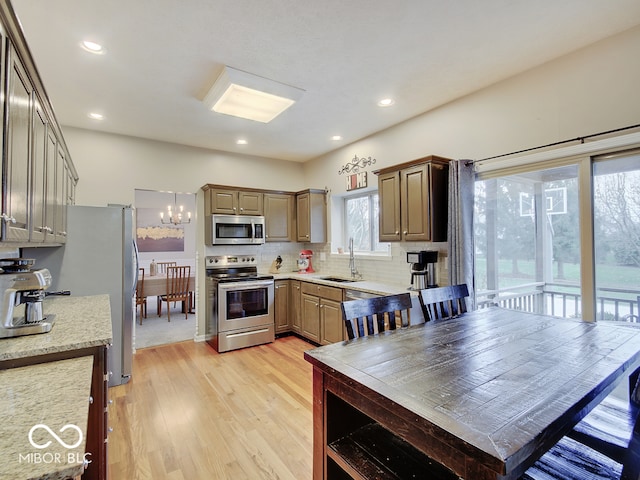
(577, 139)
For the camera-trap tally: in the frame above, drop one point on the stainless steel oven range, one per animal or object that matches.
(239, 303)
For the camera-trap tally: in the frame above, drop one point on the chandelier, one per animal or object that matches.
(175, 213)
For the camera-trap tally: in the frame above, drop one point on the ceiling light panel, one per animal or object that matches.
(244, 95)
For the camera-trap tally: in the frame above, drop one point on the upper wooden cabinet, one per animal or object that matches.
(413, 200)
(234, 202)
(311, 216)
(30, 202)
(279, 217)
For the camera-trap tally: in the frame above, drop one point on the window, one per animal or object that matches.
(361, 223)
(562, 240)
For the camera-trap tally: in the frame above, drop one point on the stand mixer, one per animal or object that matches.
(21, 295)
(304, 262)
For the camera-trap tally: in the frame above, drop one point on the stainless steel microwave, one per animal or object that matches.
(235, 230)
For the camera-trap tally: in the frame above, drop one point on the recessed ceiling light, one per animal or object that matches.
(92, 47)
(386, 102)
(241, 141)
(96, 116)
(335, 138)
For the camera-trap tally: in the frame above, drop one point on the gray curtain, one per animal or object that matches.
(460, 229)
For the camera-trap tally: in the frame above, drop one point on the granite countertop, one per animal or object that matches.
(80, 322)
(379, 288)
(48, 396)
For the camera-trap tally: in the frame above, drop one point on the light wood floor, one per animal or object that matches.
(190, 413)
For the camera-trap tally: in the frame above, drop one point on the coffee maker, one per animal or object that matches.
(422, 269)
(21, 296)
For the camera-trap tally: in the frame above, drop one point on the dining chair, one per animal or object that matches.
(141, 298)
(386, 310)
(177, 289)
(444, 302)
(633, 317)
(162, 266)
(570, 459)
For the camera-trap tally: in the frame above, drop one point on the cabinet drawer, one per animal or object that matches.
(323, 291)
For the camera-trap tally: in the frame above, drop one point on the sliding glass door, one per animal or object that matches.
(528, 241)
(562, 240)
(616, 207)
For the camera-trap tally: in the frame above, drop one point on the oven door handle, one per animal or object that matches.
(245, 285)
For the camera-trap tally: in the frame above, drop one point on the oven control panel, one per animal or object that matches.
(225, 261)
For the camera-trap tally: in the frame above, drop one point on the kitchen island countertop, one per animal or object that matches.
(80, 322)
(34, 402)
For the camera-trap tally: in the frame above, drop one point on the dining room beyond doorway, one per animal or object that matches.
(165, 232)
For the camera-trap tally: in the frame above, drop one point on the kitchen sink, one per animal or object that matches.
(338, 279)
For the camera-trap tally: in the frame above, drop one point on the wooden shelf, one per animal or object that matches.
(373, 452)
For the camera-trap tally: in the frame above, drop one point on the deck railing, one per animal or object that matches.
(561, 300)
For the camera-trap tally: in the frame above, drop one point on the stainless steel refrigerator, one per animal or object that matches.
(100, 256)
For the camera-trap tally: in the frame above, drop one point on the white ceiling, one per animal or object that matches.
(163, 55)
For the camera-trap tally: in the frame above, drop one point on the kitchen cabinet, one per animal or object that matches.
(279, 217)
(28, 123)
(281, 306)
(19, 107)
(311, 216)
(321, 315)
(234, 202)
(413, 201)
(295, 312)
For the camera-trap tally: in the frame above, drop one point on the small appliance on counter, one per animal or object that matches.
(304, 262)
(21, 295)
(276, 265)
(423, 272)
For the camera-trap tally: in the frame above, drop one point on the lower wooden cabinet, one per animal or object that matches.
(321, 315)
(295, 312)
(281, 306)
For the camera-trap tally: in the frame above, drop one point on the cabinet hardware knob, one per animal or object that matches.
(397, 232)
(110, 402)
(405, 232)
(110, 429)
(90, 400)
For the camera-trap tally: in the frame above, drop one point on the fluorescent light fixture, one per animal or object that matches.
(336, 138)
(244, 95)
(241, 141)
(96, 116)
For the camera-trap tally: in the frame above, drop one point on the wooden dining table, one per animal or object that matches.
(156, 285)
(483, 395)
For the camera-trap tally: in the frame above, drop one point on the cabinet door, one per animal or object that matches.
(224, 201)
(389, 198)
(62, 177)
(38, 173)
(310, 317)
(331, 324)
(18, 162)
(295, 313)
(250, 203)
(278, 216)
(303, 220)
(414, 204)
(50, 187)
(281, 306)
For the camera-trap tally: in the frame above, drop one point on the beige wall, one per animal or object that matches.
(590, 91)
(111, 167)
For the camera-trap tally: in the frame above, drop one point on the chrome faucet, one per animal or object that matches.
(352, 262)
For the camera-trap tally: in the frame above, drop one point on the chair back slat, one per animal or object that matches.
(178, 282)
(444, 302)
(377, 314)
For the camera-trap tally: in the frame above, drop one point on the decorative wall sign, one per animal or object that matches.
(357, 180)
(356, 164)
